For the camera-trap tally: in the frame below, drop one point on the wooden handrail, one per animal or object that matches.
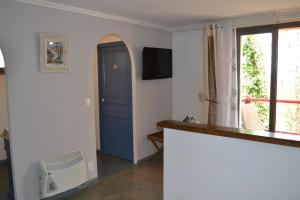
(250, 99)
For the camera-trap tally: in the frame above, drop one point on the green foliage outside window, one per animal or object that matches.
(254, 77)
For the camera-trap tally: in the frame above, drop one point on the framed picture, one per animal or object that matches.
(54, 54)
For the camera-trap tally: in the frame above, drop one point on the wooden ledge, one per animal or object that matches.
(292, 140)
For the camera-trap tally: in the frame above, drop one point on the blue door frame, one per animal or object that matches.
(115, 99)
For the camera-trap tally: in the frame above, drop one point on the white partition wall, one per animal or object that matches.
(206, 167)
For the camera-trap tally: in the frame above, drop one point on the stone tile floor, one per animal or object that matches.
(138, 182)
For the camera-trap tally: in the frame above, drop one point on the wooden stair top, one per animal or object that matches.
(158, 137)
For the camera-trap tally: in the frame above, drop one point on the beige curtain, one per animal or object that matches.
(220, 75)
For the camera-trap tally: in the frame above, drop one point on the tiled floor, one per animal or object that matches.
(109, 165)
(134, 182)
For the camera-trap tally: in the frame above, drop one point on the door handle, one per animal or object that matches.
(102, 100)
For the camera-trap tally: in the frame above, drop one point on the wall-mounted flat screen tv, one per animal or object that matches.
(157, 63)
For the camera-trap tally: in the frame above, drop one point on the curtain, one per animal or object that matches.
(220, 75)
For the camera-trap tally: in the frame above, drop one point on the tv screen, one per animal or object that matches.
(157, 63)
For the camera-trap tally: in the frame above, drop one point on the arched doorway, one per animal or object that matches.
(6, 179)
(114, 101)
(114, 79)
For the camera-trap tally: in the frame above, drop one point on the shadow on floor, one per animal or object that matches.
(109, 165)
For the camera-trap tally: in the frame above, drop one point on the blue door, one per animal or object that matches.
(115, 97)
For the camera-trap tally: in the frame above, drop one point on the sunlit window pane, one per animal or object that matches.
(288, 81)
(255, 79)
(2, 65)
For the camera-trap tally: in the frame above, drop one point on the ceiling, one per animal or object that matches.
(177, 13)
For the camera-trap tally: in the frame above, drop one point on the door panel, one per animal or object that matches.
(115, 92)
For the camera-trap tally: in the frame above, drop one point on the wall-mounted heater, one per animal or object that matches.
(62, 173)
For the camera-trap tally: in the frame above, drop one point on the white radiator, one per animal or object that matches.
(62, 173)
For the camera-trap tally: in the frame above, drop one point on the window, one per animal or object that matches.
(269, 77)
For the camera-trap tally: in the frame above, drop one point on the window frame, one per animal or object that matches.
(273, 29)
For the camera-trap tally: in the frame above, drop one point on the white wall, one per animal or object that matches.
(212, 168)
(187, 69)
(96, 100)
(47, 111)
(3, 113)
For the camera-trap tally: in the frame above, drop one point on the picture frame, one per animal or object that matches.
(54, 53)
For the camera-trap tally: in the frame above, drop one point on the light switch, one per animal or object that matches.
(87, 102)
